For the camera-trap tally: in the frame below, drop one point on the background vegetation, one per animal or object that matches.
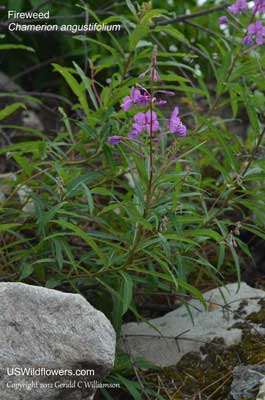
(78, 214)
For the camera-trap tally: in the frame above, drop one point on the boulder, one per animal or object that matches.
(165, 340)
(53, 345)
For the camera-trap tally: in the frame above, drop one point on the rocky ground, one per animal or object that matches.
(208, 359)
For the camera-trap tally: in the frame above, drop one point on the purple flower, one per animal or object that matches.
(259, 6)
(126, 104)
(260, 38)
(144, 98)
(255, 27)
(258, 30)
(132, 134)
(167, 92)
(223, 20)
(139, 122)
(137, 97)
(113, 140)
(238, 6)
(175, 125)
(182, 130)
(134, 97)
(247, 40)
(161, 102)
(174, 120)
(144, 121)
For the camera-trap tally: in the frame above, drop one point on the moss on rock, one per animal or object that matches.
(209, 375)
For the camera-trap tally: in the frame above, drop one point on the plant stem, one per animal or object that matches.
(184, 17)
(151, 150)
(139, 229)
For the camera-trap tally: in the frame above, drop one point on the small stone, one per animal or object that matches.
(246, 381)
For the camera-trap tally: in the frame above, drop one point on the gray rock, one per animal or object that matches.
(246, 381)
(24, 193)
(55, 335)
(165, 340)
(8, 85)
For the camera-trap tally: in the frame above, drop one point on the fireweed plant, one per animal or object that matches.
(147, 130)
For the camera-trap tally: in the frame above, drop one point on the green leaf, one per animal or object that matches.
(25, 271)
(179, 238)
(67, 124)
(89, 197)
(136, 217)
(153, 13)
(8, 110)
(74, 85)
(138, 33)
(132, 387)
(40, 272)
(221, 256)
(171, 31)
(53, 282)
(46, 217)
(24, 147)
(83, 235)
(6, 227)
(184, 285)
(87, 85)
(11, 46)
(131, 7)
(24, 163)
(249, 101)
(255, 230)
(127, 291)
(204, 233)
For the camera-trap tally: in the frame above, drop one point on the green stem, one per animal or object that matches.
(139, 229)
